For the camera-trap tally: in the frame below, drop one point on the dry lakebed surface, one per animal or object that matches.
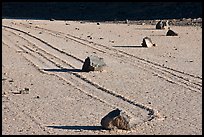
(45, 92)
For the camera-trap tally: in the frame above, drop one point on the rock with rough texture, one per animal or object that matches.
(147, 42)
(116, 119)
(166, 25)
(162, 25)
(93, 63)
(171, 33)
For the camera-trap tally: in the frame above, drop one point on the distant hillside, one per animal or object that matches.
(102, 11)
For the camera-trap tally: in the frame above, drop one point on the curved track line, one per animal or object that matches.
(152, 67)
(151, 112)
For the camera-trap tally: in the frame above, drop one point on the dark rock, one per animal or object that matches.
(171, 33)
(116, 119)
(160, 25)
(98, 23)
(112, 41)
(147, 42)
(24, 91)
(127, 21)
(89, 37)
(93, 63)
(11, 80)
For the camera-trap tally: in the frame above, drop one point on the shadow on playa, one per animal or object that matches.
(128, 46)
(78, 127)
(63, 70)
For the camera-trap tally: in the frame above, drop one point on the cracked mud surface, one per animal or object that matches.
(160, 87)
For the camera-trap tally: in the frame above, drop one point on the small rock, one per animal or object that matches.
(52, 19)
(166, 25)
(171, 33)
(11, 80)
(37, 26)
(127, 21)
(27, 89)
(24, 91)
(93, 63)
(162, 24)
(98, 23)
(116, 119)
(198, 20)
(147, 42)
(89, 37)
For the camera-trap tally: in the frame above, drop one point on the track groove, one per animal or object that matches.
(76, 81)
(189, 81)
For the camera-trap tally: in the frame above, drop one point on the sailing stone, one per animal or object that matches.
(93, 63)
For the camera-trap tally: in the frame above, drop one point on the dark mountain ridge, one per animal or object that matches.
(101, 11)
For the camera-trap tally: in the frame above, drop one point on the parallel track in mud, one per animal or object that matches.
(189, 81)
(42, 58)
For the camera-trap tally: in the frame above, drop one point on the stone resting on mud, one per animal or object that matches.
(93, 63)
(116, 119)
(147, 42)
(171, 33)
(162, 25)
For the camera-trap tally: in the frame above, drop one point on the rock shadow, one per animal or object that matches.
(78, 127)
(158, 35)
(129, 46)
(63, 70)
(145, 29)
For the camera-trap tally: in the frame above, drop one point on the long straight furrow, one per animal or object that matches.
(41, 58)
(189, 81)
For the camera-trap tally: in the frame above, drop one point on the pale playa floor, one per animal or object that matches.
(46, 57)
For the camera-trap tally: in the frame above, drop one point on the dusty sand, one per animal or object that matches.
(164, 82)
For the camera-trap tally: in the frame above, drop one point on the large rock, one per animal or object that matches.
(147, 42)
(116, 119)
(93, 63)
